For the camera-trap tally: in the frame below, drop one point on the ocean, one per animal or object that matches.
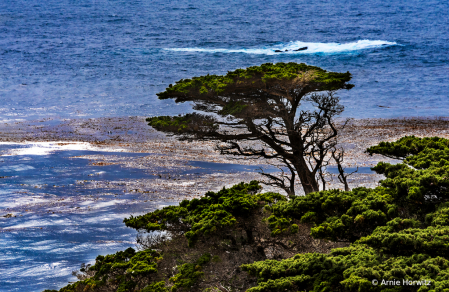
(66, 59)
(96, 58)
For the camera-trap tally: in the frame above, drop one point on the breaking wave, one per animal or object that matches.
(288, 48)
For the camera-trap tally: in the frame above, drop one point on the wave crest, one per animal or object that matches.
(312, 48)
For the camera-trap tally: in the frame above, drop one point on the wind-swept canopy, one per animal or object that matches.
(262, 103)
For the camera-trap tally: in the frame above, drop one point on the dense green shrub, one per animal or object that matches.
(156, 287)
(398, 231)
(128, 261)
(208, 215)
(189, 273)
(118, 272)
(431, 240)
(406, 223)
(338, 215)
(349, 269)
(440, 217)
(187, 276)
(413, 187)
(422, 180)
(183, 124)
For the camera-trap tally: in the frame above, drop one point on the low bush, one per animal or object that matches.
(325, 241)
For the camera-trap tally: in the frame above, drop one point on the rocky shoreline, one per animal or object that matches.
(168, 159)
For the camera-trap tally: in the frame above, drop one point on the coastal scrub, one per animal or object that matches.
(238, 239)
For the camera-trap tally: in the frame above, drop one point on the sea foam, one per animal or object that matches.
(312, 48)
(46, 148)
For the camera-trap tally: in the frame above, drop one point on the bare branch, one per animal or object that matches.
(280, 182)
(338, 155)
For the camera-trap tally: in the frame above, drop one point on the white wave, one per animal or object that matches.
(21, 200)
(312, 48)
(56, 269)
(30, 224)
(44, 242)
(94, 204)
(104, 218)
(18, 167)
(42, 247)
(46, 148)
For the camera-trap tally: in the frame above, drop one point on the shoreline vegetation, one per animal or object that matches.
(132, 134)
(242, 239)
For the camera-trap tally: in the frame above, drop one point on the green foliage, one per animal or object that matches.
(398, 224)
(126, 286)
(257, 100)
(278, 225)
(178, 123)
(405, 224)
(432, 240)
(399, 230)
(134, 264)
(213, 212)
(156, 287)
(212, 289)
(71, 287)
(348, 269)
(121, 268)
(255, 77)
(293, 274)
(406, 146)
(415, 187)
(440, 217)
(294, 228)
(422, 180)
(188, 123)
(190, 273)
(337, 215)
(216, 259)
(157, 220)
(232, 108)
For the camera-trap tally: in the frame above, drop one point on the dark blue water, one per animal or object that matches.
(59, 223)
(92, 58)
